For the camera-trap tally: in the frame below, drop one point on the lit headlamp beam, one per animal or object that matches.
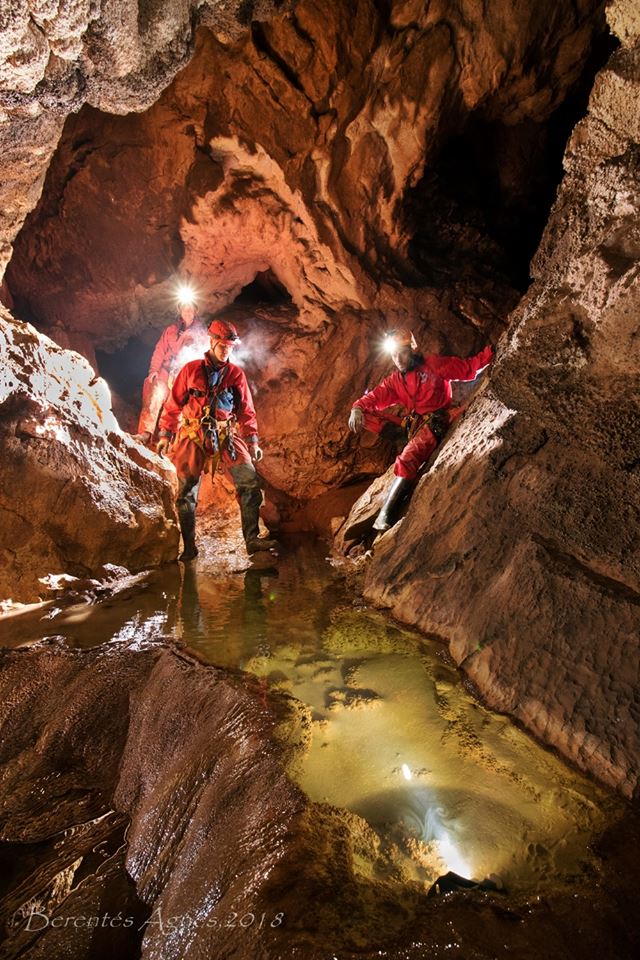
(185, 295)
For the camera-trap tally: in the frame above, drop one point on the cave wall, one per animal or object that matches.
(521, 544)
(300, 147)
(55, 57)
(76, 492)
(293, 144)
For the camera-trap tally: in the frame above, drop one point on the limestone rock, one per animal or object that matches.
(521, 544)
(54, 57)
(76, 492)
(154, 762)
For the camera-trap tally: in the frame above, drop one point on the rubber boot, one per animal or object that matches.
(187, 518)
(250, 499)
(395, 494)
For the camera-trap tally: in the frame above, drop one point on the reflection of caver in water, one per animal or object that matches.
(182, 341)
(422, 385)
(211, 415)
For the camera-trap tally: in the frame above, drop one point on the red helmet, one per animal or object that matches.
(224, 331)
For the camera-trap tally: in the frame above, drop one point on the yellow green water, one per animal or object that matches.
(392, 733)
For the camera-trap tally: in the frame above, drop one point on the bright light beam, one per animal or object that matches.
(185, 295)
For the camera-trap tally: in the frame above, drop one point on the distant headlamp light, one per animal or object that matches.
(389, 344)
(185, 295)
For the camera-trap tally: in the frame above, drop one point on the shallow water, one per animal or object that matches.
(393, 735)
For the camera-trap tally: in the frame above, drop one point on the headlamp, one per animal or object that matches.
(185, 295)
(389, 344)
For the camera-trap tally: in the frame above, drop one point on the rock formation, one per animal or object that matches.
(184, 788)
(76, 492)
(360, 165)
(521, 544)
(56, 57)
(377, 163)
(309, 149)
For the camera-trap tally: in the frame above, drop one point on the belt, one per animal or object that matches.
(437, 421)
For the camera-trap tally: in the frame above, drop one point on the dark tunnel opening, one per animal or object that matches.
(264, 290)
(481, 207)
(125, 369)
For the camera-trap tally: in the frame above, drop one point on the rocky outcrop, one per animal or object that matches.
(76, 493)
(314, 145)
(307, 149)
(521, 544)
(117, 57)
(155, 764)
(299, 148)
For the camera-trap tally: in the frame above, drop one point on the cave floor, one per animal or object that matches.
(391, 733)
(394, 732)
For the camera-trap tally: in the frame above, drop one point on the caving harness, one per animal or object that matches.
(210, 435)
(437, 421)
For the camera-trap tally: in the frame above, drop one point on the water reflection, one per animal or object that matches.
(392, 734)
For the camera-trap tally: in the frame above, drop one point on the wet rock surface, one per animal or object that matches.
(76, 493)
(314, 146)
(218, 836)
(520, 547)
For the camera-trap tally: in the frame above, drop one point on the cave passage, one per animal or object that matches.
(125, 368)
(395, 736)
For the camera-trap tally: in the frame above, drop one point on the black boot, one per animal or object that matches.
(188, 529)
(186, 506)
(250, 498)
(395, 494)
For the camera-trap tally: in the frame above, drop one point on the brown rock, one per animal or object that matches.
(77, 493)
(154, 761)
(521, 544)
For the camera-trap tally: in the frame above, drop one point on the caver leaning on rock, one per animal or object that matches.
(180, 342)
(422, 385)
(209, 419)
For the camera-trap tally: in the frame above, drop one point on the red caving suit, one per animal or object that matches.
(423, 390)
(168, 356)
(184, 409)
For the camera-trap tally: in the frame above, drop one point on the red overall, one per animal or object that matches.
(177, 345)
(224, 389)
(424, 389)
(185, 406)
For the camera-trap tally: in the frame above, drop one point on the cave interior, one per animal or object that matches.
(322, 172)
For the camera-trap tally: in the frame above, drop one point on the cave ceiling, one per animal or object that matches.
(354, 153)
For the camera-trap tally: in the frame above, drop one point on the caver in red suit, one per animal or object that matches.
(209, 420)
(180, 342)
(421, 384)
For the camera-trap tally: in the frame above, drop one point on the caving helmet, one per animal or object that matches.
(225, 332)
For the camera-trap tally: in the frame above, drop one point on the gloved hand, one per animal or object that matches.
(162, 445)
(256, 452)
(356, 420)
